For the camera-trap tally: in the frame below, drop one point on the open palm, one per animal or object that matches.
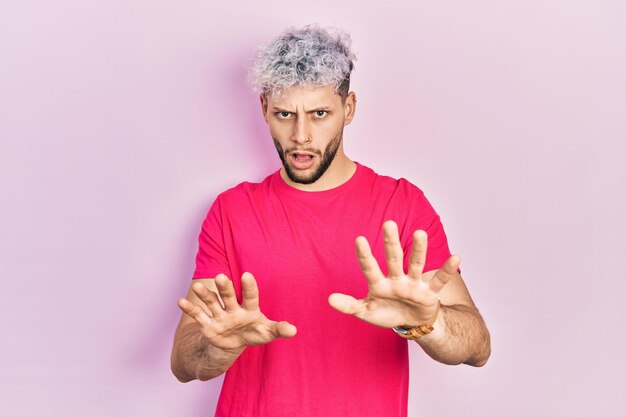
(399, 299)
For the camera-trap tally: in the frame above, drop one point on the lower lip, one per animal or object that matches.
(302, 164)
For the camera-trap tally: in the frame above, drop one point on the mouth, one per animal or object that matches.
(302, 160)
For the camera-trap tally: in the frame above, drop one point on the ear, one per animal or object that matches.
(264, 106)
(349, 108)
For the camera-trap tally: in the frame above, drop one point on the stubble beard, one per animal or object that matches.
(326, 159)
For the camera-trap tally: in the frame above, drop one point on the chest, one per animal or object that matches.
(301, 253)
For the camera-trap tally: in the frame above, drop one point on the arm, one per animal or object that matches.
(407, 300)
(214, 329)
(460, 334)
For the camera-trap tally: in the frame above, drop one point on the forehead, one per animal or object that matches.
(305, 96)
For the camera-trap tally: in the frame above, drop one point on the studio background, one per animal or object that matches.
(120, 121)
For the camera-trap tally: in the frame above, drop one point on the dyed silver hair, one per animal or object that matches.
(311, 56)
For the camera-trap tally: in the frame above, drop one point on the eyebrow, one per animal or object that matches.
(319, 108)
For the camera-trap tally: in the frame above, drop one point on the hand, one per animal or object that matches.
(234, 326)
(399, 299)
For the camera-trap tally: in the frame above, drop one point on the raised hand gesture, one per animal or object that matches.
(399, 299)
(233, 326)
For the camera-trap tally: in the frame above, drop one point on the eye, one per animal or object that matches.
(283, 114)
(321, 113)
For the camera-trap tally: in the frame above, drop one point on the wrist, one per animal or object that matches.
(215, 360)
(439, 328)
(422, 330)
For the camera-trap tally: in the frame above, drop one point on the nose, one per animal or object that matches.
(301, 133)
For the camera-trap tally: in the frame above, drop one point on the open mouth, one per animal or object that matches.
(302, 160)
(301, 156)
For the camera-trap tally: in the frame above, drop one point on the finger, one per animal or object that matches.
(194, 311)
(227, 292)
(284, 329)
(393, 250)
(250, 292)
(368, 263)
(345, 304)
(418, 254)
(209, 298)
(445, 274)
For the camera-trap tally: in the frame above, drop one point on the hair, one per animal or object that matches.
(311, 56)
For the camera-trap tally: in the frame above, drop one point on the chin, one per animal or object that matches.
(308, 176)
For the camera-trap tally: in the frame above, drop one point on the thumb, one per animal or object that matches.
(344, 303)
(284, 329)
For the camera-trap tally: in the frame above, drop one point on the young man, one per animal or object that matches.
(283, 249)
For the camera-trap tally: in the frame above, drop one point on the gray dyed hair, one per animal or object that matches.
(311, 56)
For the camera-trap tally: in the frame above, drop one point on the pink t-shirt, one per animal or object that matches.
(300, 247)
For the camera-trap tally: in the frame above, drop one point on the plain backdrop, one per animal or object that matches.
(120, 121)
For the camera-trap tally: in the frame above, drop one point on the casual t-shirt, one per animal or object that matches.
(300, 247)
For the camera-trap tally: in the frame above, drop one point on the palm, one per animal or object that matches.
(251, 328)
(398, 299)
(397, 302)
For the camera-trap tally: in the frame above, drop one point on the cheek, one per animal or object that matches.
(276, 132)
(330, 128)
(279, 129)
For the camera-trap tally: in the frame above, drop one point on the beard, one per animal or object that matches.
(326, 159)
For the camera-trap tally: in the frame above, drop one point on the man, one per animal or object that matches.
(283, 249)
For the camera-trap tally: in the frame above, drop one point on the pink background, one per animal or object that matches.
(120, 121)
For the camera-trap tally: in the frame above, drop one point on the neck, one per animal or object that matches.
(339, 172)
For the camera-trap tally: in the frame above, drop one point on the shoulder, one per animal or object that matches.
(245, 190)
(398, 187)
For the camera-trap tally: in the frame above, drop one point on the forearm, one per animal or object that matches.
(193, 357)
(459, 336)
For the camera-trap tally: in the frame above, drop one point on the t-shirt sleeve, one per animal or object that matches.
(211, 258)
(423, 216)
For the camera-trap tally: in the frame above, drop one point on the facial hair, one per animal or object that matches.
(326, 159)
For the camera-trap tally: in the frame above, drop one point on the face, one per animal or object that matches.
(306, 124)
